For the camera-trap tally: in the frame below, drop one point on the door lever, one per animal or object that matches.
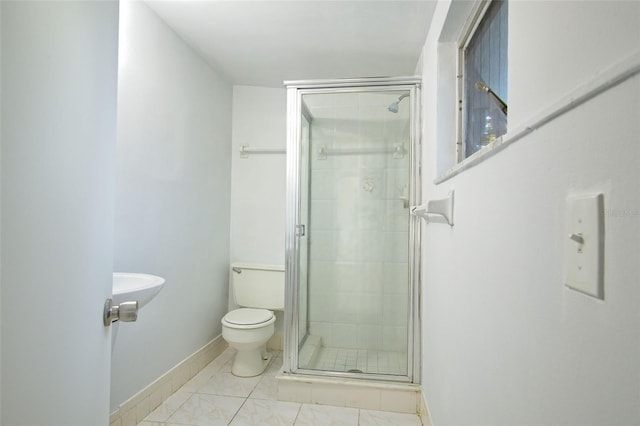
(126, 312)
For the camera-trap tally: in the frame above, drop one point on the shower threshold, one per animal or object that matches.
(354, 393)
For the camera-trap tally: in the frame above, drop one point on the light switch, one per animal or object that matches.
(584, 245)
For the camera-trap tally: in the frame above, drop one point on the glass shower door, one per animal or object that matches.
(355, 290)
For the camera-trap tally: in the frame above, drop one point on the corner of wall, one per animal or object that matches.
(423, 410)
(136, 408)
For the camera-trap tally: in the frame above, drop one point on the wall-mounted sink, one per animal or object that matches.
(128, 286)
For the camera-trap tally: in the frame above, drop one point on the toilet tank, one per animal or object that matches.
(258, 286)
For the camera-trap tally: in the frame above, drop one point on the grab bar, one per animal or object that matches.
(397, 150)
(245, 150)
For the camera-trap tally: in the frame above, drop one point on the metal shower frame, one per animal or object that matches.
(295, 91)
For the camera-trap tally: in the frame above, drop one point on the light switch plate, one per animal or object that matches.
(584, 245)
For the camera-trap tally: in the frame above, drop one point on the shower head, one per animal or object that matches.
(394, 106)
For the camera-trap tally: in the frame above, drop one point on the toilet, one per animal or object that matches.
(258, 290)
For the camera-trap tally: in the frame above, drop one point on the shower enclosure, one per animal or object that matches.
(352, 246)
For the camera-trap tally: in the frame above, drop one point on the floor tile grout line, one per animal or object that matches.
(237, 411)
(295, 419)
(266, 395)
(178, 407)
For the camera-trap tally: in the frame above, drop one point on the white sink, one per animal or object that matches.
(128, 287)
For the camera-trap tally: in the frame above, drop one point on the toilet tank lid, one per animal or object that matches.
(248, 316)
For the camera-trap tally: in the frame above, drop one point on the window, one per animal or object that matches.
(483, 73)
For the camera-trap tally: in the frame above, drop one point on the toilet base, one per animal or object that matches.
(250, 363)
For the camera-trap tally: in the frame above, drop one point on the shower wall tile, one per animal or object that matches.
(344, 307)
(372, 132)
(357, 223)
(321, 307)
(345, 162)
(347, 276)
(346, 272)
(371, 123)
(370, 214)
(344, 335)
(345, 100)
(322, 245)
(318, 162)
(349, 184)
(322, 136)
(371, 277)
(396, 181)
(397, 246)
(360, 246)
(346, 127)
(370, 248)
(396, 130)
(323, 184)
(395, 310)
(394, 338)
(373, 98)
(396, 217)
(320, 100)
(395, 278)
(369, 307)
(373, 162)
(323, 215)
(323, 329)
(367, 184)
(323, 130)
(323, 277)
(369, 336)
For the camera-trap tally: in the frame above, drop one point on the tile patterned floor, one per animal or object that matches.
(367, 361)
(216, 397)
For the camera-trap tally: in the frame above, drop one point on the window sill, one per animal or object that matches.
(478, 157)
(608, 78)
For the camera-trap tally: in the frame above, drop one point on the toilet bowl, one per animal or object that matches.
(247, 330)
(258, 290)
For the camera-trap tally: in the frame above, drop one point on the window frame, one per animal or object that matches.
(478, 13)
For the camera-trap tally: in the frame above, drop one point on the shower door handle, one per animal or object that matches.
(300, 230)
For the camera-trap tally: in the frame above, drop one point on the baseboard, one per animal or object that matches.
(423, 410)
(136, 408)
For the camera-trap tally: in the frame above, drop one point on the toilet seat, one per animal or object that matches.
(244, 318)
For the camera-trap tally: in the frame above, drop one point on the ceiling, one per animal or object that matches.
(263, 43)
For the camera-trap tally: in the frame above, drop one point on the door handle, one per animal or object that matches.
(126, 312)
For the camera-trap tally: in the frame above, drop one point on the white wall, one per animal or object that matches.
(258, 182)
(172, 197)
(504, 341)
(59, 75)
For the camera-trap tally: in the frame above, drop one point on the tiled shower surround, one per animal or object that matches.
(358, 225)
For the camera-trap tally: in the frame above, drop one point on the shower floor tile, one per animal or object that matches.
(367, 361)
